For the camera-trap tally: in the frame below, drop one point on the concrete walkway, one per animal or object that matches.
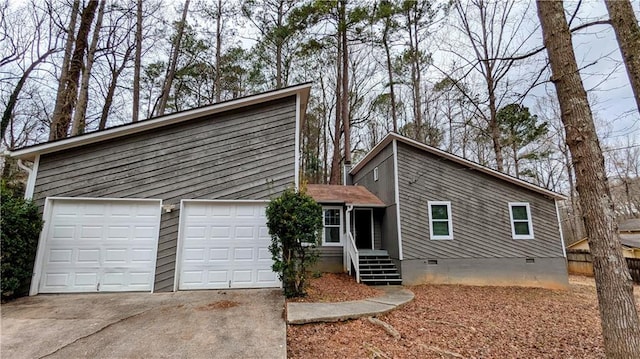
(302, 313)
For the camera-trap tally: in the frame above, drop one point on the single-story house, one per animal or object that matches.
(178, 202)
(629, 232)
(445, 219)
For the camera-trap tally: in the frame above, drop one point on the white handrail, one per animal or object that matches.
(352, 255)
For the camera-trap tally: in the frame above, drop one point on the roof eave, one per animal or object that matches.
(30, 153)
(391, 136)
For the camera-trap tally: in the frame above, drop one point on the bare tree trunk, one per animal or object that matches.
(334, 178)
(625, 25)
(62, 82)
(79, 116)
(173, 63)
(394, 115)
(137, 64)
(279, 44)
(218, 77)
(13, 98)
(415, 72)
(496, 135)
(618, 312)
(108, 101)
(346, 121)
(75, 68)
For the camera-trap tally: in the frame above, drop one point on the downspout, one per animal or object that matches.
(564, 250)
(30, 172)
(346, 257)
(31, 181)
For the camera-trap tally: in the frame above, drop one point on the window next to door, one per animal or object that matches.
(332, 235)
(440, 224)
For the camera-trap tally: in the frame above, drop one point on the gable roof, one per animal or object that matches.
(30, 152)
(389, 138)
(357, 196)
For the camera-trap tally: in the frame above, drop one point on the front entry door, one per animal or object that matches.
(363, 228)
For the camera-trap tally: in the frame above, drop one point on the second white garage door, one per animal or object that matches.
(224, 245)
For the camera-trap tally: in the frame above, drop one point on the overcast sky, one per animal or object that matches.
(612, 97)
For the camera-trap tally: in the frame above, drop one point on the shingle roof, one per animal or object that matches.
(389, 138)
(350, 195)
(30, 152)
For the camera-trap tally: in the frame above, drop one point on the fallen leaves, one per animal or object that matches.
(337, 287)
(466, 321)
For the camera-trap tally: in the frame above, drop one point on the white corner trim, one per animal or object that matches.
(179, 245)
(297, 144)
(33, 173)
(564, 250)
(155, 257)
(397, 195)
(37, 267)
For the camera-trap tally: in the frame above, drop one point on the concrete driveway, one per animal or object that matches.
(193, 324)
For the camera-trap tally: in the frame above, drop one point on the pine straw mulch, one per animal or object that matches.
(451, 321)
(336, 287)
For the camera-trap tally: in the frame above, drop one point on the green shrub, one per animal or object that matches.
(20, 224)
(295, 222)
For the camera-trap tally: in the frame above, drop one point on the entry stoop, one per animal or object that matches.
(377, 268)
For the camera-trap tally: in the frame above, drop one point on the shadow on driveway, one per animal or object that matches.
(191, 324)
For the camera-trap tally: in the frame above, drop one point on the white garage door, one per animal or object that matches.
(100, 246)
(225, 245)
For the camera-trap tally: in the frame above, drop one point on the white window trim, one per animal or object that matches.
(342, 224)
(449, 220)
(529, 221)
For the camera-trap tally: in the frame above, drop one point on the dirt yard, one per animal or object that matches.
(447, 321)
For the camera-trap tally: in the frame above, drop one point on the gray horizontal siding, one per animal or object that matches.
(243, 154)
(383, 188)
(386, 230)
(480, 212)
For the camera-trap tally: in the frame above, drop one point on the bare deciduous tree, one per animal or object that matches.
(627, 31)
(173, 62)
(618, 311)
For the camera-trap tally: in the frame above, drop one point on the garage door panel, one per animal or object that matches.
(100, 245)
(229, 242)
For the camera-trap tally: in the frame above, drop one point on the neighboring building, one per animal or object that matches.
(450, 220)
(178, 202)
(629, 231)
(169, 203)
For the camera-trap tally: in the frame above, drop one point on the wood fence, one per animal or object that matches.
(580, 262)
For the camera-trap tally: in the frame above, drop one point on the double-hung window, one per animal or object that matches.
(332, 226)
(440, 223)
(521, 225)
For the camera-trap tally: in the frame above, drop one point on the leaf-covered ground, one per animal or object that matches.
(337, 287)
(448, 321)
